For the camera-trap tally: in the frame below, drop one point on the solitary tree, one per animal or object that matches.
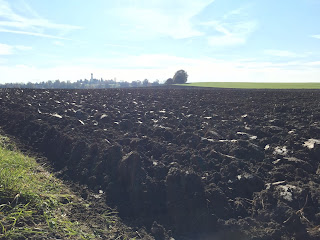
(180, 76)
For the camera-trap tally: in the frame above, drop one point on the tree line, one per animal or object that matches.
(82, 84)
(179, 77)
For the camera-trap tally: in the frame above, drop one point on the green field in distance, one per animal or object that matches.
(254, 85)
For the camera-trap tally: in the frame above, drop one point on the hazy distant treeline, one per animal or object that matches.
(82, 84)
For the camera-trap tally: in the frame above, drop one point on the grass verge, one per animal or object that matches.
(252, 85)
(34, 204)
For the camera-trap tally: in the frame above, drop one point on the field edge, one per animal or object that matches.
(253, 85)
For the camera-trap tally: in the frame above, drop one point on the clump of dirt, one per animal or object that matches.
(184, 163)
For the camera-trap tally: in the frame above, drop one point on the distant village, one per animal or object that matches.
(93, 83)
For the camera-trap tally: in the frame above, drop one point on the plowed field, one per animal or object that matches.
(184, 163)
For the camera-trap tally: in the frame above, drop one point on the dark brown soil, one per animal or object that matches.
(184, 163)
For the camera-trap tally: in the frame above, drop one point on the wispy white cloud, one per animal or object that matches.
(3, 61)
(23, 48)
(161, 18)
(178, 20)
(36, 24)
(314, 63)
(231, 34)
(282, 53)
(5, 49)
(33, 24)
(242, 11)
(316, 36)
(234, 28)
(58, 43)
(122, 46)
(33, 34)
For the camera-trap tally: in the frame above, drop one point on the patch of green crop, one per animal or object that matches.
(253, 85)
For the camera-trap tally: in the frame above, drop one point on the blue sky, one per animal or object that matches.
(213, 40)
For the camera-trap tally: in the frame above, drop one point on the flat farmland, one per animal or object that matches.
(186, 163)
(255, 85)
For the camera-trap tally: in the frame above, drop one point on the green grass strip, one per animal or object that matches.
(253, 85)
(32, 201)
